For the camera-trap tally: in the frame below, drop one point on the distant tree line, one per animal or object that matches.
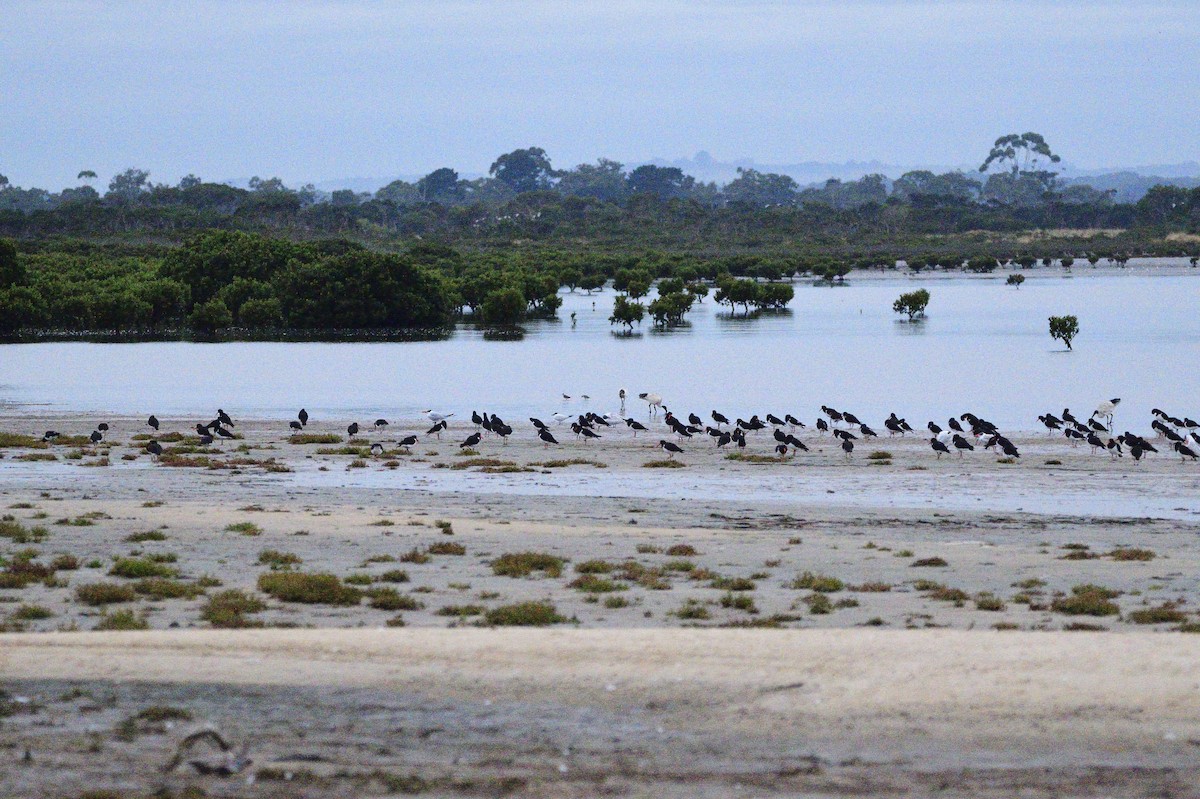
(525, 197)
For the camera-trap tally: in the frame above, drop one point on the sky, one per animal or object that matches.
(314, 91)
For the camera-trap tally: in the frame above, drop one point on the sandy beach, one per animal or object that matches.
(890, 623)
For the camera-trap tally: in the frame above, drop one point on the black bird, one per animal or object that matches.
(50, 435)
(205, 440)
(1051, 422)
(893, 427)
(694, 419)
(793, 421)
(352, 429)
(154, 448)
(588, 432)
(850, 418)
(1184, 451)
(476, 418)
(470, 440)
(600, 420)
(1190, 424)
(153, 422)
(96, 437)
(823, 426)
(102, 427)
(723, 439)
(295, 425)
(833, 415)
(546, 436)
(381, 423)
(867, 432)
(844, 435)
(1073, 434)
(933, 428)
(781, 449)
(224, 419)
(719, 418)
(502, 430)
(1009, 448)
(407, 442)
(303, 417)
(954, 425)
(436, 430)
(537, 423)
(223, 433)
(961, 444)
(635, 425)
(1067, 416)
(775, 420)
(669, 447)
(1094, 425)
(1094, 441)
(1136, 452)
(938, 447)
(847, 447)
(796, 443)
(201, 430)
(1114, 449)
(780, 435)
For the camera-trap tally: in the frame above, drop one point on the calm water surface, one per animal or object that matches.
(984, 347)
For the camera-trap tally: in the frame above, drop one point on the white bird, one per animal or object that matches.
(436, 417)
(653, 400)
(560, 417)
(1105, 409)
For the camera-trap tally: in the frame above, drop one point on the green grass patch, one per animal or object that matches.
(163, 588)
(97, 594)
(228, 610)
(821, 583)
(244, 528)
(523, 564)
(315, 438)
(309, 589)
(524, 614)
(137, 568)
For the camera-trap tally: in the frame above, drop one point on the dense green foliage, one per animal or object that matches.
(1064, 328)
(912, 303)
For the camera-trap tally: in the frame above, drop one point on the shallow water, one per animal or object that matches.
(984, 347)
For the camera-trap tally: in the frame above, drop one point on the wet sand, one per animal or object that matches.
(647, 687)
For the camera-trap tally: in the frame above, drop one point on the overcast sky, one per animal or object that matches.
(314, 91)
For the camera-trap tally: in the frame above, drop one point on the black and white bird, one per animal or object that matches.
(96, 437)
(793, 422)
(537, 423)
(102, 427)
(435, 417)
(470, 440)
(154, 448)
(939, 447)
(961, 444)
(782, 450)
(295, 425)
(1105, 409)
(1184, 451)
(352, 429)
(934, 428)
(376, 449)
(775, 420)
(153, 422)
(669, 447)
(635, 426)
(224, 419)
(823, 426)
(437, 429)
(847, 447)
(50, 435)
(547, 437)
(303, 417)
(381, 423)
(719, 418)
(406, 442)
(223, 433)
(205, 440)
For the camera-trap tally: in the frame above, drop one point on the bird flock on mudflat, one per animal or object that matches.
(964, 433)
